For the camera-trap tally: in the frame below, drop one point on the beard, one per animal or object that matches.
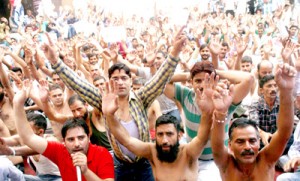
(85, 115)
(167, 156)
(1, 96)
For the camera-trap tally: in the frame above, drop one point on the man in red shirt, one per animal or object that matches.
(95, 162)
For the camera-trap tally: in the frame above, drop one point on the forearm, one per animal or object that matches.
(218, 134)
(237, 65)
(4, 77)
(23, 128)
(119, 132)
(91, 176)
(204, 129)
(24, 151)
(180, 77)
(234, 77)
(35, 74)
(286, 113)
(155, 86)
(81, 86)
(215, 61)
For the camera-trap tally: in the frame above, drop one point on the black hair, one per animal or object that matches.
(139, 81)
(74, 123)
(89, 55)
(242, 123)
(167, 119)
(99, 77)
(17, 69)
(54, 87)
(265, 79)
(203, 46)
(246, 59)
(74, 98)
(38, 120)
(118, 66)
(203, 66)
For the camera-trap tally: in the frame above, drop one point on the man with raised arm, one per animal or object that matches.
(243, 160)
(95, 162)
(169, 159)
(132, 105)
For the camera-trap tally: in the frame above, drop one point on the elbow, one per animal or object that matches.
(249, 79)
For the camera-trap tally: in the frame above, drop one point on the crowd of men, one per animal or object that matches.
(214, 98)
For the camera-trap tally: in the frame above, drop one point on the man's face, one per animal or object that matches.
(56, 80)
(198, 81)
(28, 30)
(167, 143)
(100, 84)
(76, 140)
(93, 60)
(293, 31)
(140, 52)
(94, 70)
(79, 110)
(135, 43)
(265, 69)
(205, 53)
(223, 52)
(136, 87)
(57, 97)
(260, 31)
(124, 82)
(20, 75)
(159, 60)
(244, 144)
(269, 90)
(246, 67)
(70, 62)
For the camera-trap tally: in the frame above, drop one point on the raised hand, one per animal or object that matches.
(204, 98)
(222, 97)
(23, 94)
(50, 50)
(110, 98)
(285, 77)
(288, 50)
(178, 42)
(43, 90)
(215, 46)
(241, 45)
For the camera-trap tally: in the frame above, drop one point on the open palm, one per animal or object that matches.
(204, 99)
(110, 98)
(222, 98)
(285, 76)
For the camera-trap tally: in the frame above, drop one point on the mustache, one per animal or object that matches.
(247, 152)
(273, 92)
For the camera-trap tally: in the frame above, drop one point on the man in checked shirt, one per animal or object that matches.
(265, 110)
(132, 111)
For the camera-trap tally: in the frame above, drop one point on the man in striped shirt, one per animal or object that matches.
(133, 106)
(186, 97)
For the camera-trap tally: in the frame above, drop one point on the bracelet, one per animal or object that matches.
(13, 150)
(220, 121)
(222, 114)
